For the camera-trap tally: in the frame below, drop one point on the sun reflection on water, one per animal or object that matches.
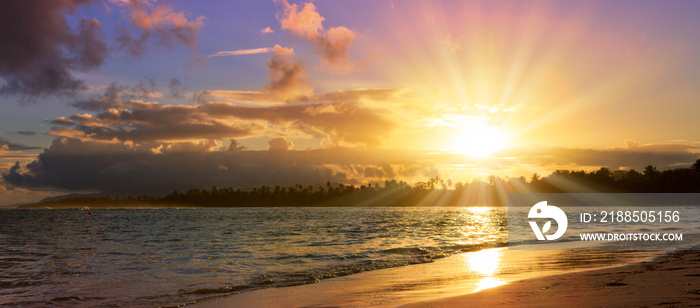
(485, 263)
(488, 282)
(483, 225)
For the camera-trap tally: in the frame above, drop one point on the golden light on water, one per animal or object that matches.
(485, 262)
(479, 211)
(488, 282)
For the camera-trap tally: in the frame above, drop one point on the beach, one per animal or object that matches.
(671, 280)
(302, 257)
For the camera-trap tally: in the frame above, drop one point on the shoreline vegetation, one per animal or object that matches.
(392, 193)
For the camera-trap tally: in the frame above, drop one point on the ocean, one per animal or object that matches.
(165, 257)
(169, 257)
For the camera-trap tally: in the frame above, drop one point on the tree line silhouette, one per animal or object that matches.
(434, 192)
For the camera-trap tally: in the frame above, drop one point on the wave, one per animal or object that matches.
(388, 258)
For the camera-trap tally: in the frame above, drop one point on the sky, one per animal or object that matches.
(146, 96)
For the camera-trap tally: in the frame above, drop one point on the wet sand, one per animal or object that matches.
(444, 283)
(671, 281)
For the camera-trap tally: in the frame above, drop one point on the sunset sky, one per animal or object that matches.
(147, 96)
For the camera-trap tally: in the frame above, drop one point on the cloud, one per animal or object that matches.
(26, 132)
(11, 195)
(123, 113)
(145, 89)
(98, 102)
(287, 80)
(139, 121)
(305, 21)
(62, 121)
(176, 88)
(158, 24)
(40, 50)
(71, 164)
(6, 145)
(633, 156)
(239, 52)
(235, 146)
(156, 168)
(279, 144)
(115, 94)
(288, 83)
(634, 146)
(338, 123)
(287, 77)
(201, 97)
(358, 95)
(144, 122)
(267, 30)
(363, 95)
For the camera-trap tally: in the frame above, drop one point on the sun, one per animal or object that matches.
(480, 140)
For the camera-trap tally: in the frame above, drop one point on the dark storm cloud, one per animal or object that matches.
(40, 52)
(39, 49)
(73, 164)
(77, 165)
(26, 132)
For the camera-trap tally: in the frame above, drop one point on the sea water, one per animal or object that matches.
(167, 257)
(161, 257)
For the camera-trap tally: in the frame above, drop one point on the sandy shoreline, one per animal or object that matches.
(671, 281)
(453, 281)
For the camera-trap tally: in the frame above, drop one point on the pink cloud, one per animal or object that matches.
(159, 21)
(332, 44)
